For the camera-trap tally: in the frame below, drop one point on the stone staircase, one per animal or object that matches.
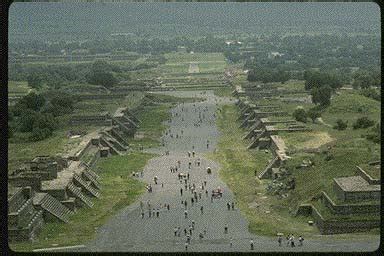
(256, 140)
(106, 143)
(264, 173)
(86, 185)
(92, 179)
(53, 206)
(115, 142)
(122, 125)
(77, 192)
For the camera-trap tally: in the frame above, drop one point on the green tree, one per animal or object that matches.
(31, 101)
(26, 120)
(322, 95)
(313, 114)
(300, 115)
(34, 81)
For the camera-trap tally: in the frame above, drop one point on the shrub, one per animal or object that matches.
(374, 134)
(340, 125)
(363, 122)
(313, 114)
(300, 115)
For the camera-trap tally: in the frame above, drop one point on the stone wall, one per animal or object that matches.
(349, 208)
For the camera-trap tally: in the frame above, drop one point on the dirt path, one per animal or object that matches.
(128, 231)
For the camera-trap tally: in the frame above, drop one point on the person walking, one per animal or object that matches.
(157, 213)
(193, 224)
(279, 240)
(175, 231)
(168, 207)
(187, 176)
(226, 229)
(205, 183)
(233, 206)
(288, 239)
(292, 239)
(186, 214)
(230, 242)
(186, 246)
(200, 195)
(185, 204)
(228, 206)
(201, 209)
(142, 214)
(252, 245)
(301, 239)
(185, 231)
(192, 200)
(181, 191)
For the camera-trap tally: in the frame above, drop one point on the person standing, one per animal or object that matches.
(142, 214)
(175, 231)
(301, 239)
(279, 240)
(288, 239)
(186, 246)
(252, 245)
(226, 229)
(185, 231)
(157, 213)
(233, 206)
(185, 204)
(228, 206)
(168, 207)
(186, 214)
(230, 242)
(201, 209)
(181, 191)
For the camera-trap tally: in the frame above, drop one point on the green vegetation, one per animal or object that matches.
(119, 191)
(238, 167)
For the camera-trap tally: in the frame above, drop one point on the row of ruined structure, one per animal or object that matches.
(52, 188)
(354, 205)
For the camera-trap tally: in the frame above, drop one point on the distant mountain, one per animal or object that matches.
(92, 20)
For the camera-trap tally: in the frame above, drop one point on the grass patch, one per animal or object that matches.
(119, 190)
(223, 92)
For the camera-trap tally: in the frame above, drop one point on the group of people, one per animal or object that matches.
(290, 240)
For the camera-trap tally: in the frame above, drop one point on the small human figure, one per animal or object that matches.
(189, 154)
(228, 206)
(186, 246)
(186, 214)
(200, 195)
(288, 239)
(193, 224)
(157, 213)
(226, 229)
(168, 207)
(279, 240)
(193, 153)
(142, 214)
(201, 236)
(188, 176)
(252, 245)
(162, 185)
(301, 239)
(189, 165)
(230, 242)
(175, 231)
(201, 209)
(181, 191)
(205, 183)
(233, 206)
(206, 193)
(185, 231)
(292, 239)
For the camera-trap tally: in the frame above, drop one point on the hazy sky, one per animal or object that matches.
(45, 19)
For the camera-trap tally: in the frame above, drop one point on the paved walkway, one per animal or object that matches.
(191, 126)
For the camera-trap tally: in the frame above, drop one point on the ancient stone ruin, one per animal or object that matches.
(51, 188)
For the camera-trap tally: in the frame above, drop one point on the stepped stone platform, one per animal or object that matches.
(24, 221)
(355, 205)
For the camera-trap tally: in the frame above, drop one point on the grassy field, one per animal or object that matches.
(18, 88)
(266, 214)
(119, 190)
